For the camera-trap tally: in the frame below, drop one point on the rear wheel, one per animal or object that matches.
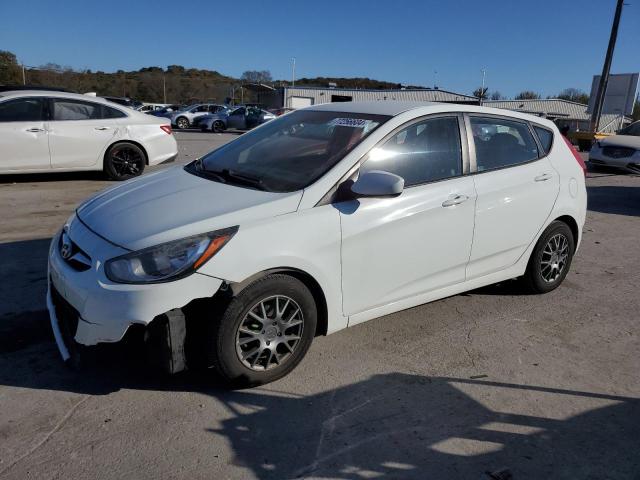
(182, 123)
(551, 258)
(218, 126)
(123, 161)
(265, 331)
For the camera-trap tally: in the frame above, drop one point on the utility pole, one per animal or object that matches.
(164, 89)
(482, 92)
(293, 71)
(24, 76)
(604, 78)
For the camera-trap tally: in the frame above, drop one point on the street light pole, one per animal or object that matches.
(293, 71)
(484, 73)
(606, 68)
(24, 76)
(164, 89)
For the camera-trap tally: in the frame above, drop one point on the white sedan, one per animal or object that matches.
(49, 131)
(319, 220)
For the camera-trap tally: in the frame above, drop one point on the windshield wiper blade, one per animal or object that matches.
(231, 175)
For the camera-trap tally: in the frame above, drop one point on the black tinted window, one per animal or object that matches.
(502, 143)
(108, 112)
(423, 152)
(22, 110)
(546, 138)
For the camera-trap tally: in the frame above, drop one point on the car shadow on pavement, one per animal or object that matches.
(617, 200)
(394, 425)
(51, 177)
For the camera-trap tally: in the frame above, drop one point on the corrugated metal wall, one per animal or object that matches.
(324, 95)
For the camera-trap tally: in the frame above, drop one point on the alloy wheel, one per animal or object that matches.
(126, 161)
(269, 333)
(554, 258)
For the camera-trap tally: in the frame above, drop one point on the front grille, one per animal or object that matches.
(72, 254)
(68, 317)
(618, 152)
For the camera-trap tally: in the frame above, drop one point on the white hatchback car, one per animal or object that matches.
(50, 131)
(316, 221)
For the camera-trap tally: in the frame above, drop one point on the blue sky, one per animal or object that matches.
(541, 45)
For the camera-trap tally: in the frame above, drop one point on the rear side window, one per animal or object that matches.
(65, 109)
(502, 143)
(22, 110)
(423, 152)
(546, 138)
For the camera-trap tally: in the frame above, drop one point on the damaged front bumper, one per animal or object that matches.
(85, 307)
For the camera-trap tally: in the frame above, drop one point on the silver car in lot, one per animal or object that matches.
(621, 150)
(241, 118)
(186, 117)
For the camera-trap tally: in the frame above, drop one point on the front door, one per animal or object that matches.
(517, 188)
(396, 248)
(236, 119)
(24, 143)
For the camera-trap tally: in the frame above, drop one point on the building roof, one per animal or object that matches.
(411, 94)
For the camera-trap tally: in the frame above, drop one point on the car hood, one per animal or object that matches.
(621, 141)
(173, 204)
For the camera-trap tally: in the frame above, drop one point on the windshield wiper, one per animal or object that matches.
(231, 176)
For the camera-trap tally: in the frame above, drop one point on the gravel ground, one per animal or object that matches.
(542, 386)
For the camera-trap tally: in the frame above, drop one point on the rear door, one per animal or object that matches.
(516, 186)
(24, 141)
(80, 131)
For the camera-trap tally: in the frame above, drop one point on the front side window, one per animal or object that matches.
(502, 143)
(423, 152)
(201, 108)
(22, 110)
(288, 153)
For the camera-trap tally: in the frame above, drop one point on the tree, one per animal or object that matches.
(255, 76)
(574, 95)
(496, 96)
(481, 93)
(527, 95)
(9, 68)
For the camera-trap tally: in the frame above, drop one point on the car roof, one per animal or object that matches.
(394, 108)
(58, 94)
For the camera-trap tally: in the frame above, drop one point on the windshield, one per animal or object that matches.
(290, 152)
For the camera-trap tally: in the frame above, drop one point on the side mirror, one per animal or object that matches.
(377, 183)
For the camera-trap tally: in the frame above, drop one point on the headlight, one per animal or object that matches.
(167, 261)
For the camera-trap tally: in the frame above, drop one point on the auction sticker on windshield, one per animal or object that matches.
(349, 122)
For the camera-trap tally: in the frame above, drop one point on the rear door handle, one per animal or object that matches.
(102, 128)
(35, 129)
(543, 177)
(455, 200)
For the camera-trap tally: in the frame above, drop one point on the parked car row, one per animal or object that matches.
(48, 130)
(240, 118)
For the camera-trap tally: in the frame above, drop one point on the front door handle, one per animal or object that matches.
(543, 177)
(102, 128)
(35, 130)
(455, 200)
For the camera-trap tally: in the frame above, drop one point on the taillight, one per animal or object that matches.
(166, 129)
(576, 155)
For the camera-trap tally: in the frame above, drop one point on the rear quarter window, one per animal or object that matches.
(546, 138)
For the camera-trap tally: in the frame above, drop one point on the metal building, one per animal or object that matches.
(563, 113)
(299, 97)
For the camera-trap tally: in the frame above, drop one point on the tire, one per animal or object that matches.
(230, 349)
(182, 123)
(542, 276)
(218, 126)
(124, 160)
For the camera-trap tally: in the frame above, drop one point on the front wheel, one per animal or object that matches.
(182, 123)
(123, 161)
(551, 258)
(265, 331)
(218, 127)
